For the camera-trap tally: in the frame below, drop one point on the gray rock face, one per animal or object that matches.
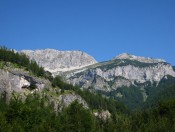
(19, 81)
(64, 100)
(67, 99)
(116, 73)
(138, 74)
(56, 61)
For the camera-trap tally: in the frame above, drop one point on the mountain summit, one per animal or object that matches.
(56, 61)
(138, 58)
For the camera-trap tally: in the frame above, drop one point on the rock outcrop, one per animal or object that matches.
(104, 115)
(63, 100)
(20, 81)
(67, 99)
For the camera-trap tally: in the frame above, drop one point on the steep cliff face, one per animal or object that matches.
(19, 81)
(121, 71)
(56, 61)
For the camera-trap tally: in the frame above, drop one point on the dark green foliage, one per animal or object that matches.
(58, 82)
(32, 86)
(76, 118)
(96, 101)
(163, 92)
(33, 115)
(27, 116)
(131, 96)
(160, 118)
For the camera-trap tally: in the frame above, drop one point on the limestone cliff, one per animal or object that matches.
(121, 71)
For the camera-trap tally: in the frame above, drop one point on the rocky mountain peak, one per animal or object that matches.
(124, 56)
(138, 58)
(56, 61)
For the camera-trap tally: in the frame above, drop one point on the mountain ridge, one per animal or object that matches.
(138, 58)
(39, 54)
(130, 67)
(122, 72)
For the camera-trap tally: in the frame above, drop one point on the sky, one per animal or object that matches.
(101, 28)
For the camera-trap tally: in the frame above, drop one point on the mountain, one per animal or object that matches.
(127, 78)
(22, 78)
(56, 61)
(33, 100)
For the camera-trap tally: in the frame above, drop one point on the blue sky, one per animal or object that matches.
(102, 28)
